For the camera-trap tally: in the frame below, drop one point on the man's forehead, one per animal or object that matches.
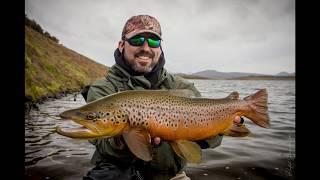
(148, 34)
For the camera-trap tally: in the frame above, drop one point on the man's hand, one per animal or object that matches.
(156, 140)
(237, 120)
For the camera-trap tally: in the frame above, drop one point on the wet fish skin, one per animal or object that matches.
(169, 114)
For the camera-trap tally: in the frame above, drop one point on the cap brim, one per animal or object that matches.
(140, 31)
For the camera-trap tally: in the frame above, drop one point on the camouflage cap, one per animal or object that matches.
(140, 24)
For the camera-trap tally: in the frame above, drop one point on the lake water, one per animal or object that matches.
(265, 154)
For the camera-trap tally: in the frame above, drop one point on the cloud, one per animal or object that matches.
(229, 35)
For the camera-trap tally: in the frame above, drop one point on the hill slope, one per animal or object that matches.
(51, 68)
(223, 75)
(213, 74)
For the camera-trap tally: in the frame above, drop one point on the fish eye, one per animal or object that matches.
(91, 116)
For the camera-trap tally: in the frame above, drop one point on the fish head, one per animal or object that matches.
(97, 122)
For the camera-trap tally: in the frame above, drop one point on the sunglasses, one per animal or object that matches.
(139, 41)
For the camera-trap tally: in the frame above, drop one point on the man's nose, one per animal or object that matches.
(145, 46)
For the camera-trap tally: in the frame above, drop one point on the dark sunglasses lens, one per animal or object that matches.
(136, 41)
(153, 43)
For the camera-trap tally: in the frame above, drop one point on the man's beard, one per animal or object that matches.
(137, 67)
(142, 69)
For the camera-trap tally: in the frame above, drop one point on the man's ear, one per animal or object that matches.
(121, 46)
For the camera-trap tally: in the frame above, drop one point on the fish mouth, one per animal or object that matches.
(89, 128)
(86, 131)
(77, 133)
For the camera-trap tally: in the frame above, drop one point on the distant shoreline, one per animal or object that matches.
(243, 78)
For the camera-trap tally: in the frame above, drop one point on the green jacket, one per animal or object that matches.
(165, 163)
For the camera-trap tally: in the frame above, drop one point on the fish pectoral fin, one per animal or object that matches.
(138, 141)
(237, 131)
(188, 150)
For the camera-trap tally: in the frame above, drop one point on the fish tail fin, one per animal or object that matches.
(258, 112)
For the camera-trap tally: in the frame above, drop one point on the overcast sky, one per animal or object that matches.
(255, 36)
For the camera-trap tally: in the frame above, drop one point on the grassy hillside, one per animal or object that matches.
(51, 68)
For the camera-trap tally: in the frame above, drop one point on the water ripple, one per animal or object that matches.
(264, 154)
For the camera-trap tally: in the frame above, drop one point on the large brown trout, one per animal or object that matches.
(172, 115)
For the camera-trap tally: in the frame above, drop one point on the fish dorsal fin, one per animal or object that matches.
(237, 131)
(182, 93)
(234, 95)
(138, 141)
(188, 150)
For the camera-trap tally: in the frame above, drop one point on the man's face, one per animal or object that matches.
(140, 58)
